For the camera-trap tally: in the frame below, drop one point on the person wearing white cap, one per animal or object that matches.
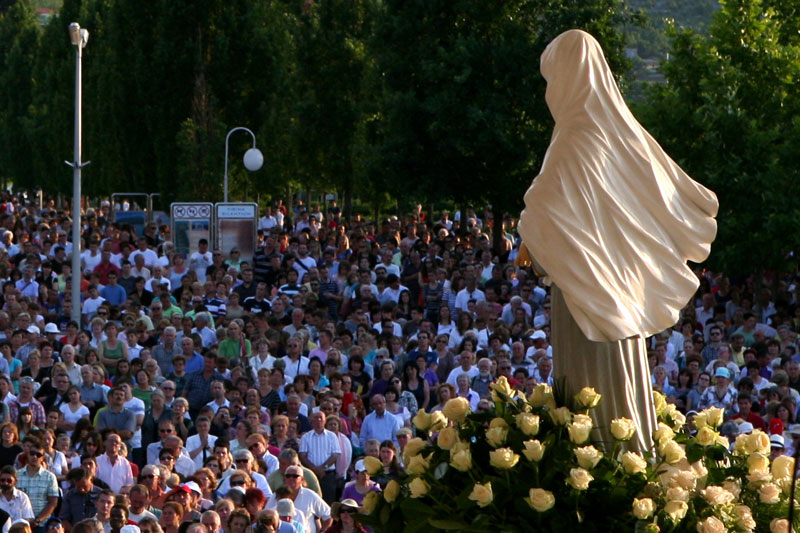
(317, 511)
(289, 514)
(721, 394)
(777, 446)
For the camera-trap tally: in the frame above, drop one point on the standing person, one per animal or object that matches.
(197, 389)
(619, 274)
(116, 415)
(79, 500)
(201, 445)
(379, 424)
(166, 350)
(12, 500)
(200, 260)
(319, 451)
(304, 499)
(26, 399)
(40, 485)
(113, 469)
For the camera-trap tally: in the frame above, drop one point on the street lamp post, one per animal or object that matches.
(79, 37)
(253, 158)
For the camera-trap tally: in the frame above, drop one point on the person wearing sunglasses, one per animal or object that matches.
(245, 462)
(344, 517)
(40, 485)
(306, 500)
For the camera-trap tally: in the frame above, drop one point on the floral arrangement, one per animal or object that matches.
(529, 464)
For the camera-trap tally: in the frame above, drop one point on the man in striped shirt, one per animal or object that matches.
(319, 450)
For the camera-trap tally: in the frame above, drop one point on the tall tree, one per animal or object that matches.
(462, 113)
(728, 114)
(20, 33)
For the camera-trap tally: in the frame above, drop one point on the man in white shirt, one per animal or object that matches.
(150, 257)
(12, 500)
(466, 367)
(112, 469)
(218, 397)
(470, 292)
(303, 262)
(200, 260)
(201, 445)
(319, 450)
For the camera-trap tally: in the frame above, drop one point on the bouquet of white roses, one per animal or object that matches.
(529, 464)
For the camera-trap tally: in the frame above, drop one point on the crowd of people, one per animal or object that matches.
(213, 393)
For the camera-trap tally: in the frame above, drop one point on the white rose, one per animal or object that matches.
(714, 416)
(588, 457)
(413, 447)
(686, 479)
(392, 491)
(461, 460)
(633, 463)
(744, 518)
(716, 495)
(741, 444)
(644, 508)
(579, 429)
(579, 479)
(418, 465)
(587, 398)
(700, 420)
(438, 421)
(757, 463)
(482, 494)
(501, 386)
(447, 438)
(503, 458)
(678, 494)
(542, 395)
(779, 525)
(418, 488)
(422, 420)
(540, 500)
(456, 409)
(534, 450)
(724, 442)
(732, 486)
(758, 477)
(663, 433)
(496, 437)
(660, 402)
(769, 493)
(560, 416)
(712, 524)
(678, 420)
(782, 467)
(622, 428)
(676, 510)
(671, 451)
(706, 436)
(528, 423)
(758, 441)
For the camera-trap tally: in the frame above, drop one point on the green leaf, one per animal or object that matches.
(448, 525)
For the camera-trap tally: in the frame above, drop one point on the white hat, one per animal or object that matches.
(194, 487)
(33, 328)
(538, 334)
(745, 428)
(51, 328)
(776, 441)
(285, 507)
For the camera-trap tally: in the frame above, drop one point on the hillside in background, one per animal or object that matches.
(650, 40)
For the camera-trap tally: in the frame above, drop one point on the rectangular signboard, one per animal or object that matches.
(191, 221)
(236, 225)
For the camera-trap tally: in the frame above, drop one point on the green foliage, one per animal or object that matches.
(728, 115)
(20, 36)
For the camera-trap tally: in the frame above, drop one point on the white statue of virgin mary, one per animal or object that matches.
(612, 221)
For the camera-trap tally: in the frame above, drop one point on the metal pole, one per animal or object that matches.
(79, 38)
(76, 194)
(227, 137)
